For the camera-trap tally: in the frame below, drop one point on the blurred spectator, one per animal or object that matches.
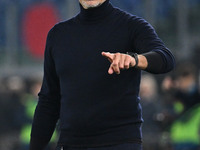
(18, 99)
(11, 111)
(186, 88)
(151, 106)
(184, 92)
(29, 103)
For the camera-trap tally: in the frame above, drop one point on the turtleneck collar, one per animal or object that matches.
(97, 13)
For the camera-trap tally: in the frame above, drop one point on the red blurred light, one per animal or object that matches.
(38, 20)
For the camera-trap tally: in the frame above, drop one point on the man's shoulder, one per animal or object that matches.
(65, 23)
(128, 16)
(123, 12)
(62, 26)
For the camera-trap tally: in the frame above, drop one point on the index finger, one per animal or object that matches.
(108, 55)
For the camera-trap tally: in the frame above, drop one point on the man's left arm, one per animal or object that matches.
(151, 62)
(149, 52)
(121, 61)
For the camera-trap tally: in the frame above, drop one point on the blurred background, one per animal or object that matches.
(171, 103)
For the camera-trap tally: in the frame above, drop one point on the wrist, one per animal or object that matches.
(140, 60)
(135, 56)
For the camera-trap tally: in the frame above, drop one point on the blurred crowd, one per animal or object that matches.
(18, 101)
(171, 110)
(171, 107)
(171, 103)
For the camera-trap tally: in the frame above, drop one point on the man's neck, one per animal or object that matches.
(97, 13)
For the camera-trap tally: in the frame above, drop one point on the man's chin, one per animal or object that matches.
(90, 6)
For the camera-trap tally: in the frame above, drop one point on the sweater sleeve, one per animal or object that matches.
(146, 42)
(48, 107)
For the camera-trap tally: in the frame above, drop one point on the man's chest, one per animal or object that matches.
(82, 47)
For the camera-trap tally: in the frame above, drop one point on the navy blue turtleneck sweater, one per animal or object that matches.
(95, 108)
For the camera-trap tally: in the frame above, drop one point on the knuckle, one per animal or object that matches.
(129, 57)
(123, 56)
(114, 64)
(117, 55)
(121, 66)
(126, 65)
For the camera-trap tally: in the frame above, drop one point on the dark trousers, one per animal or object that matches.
(126, 146)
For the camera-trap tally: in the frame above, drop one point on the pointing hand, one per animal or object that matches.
(119, 61)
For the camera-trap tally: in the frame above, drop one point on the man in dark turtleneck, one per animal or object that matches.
(92, 71)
